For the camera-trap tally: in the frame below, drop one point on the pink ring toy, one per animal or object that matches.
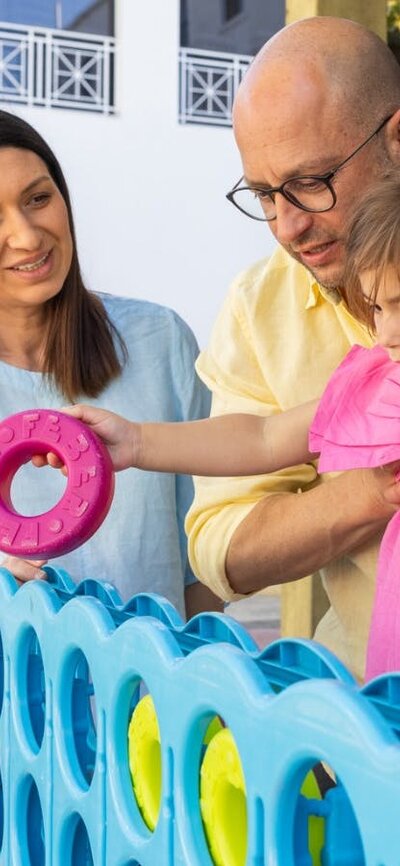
(88, 494)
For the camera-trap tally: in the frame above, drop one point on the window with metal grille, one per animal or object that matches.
(85, 16)
(232, 8)
(58, 54)
(218, 41)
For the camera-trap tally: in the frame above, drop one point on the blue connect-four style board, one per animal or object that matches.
(72, 661)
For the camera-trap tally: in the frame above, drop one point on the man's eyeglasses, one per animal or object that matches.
(312, 192)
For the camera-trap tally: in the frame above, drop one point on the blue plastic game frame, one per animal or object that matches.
(72, 661)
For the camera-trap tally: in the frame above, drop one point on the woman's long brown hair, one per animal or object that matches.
(83, 349)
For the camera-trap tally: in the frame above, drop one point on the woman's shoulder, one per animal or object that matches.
(127, 312)
(150, 328)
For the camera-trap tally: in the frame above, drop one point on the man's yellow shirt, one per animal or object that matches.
(278, 338)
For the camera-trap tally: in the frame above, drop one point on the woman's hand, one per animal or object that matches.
(122, 437)
(24, 569)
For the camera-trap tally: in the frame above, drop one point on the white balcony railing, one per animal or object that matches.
(208, 84)
(56, 68)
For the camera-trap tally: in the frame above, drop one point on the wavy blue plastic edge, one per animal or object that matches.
(283, 662)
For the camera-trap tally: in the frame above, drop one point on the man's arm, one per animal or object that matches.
(268, 350)
(286, 536)
(198, 598)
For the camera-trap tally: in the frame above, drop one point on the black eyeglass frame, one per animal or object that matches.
(325, 178)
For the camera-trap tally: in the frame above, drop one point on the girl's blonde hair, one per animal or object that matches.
(373, 244)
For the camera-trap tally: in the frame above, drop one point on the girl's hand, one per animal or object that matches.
(121, 437)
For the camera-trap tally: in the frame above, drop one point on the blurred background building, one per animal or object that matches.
(136, 100)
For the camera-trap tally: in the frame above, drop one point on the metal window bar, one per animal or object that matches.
(13, 68)
(208, 81)
(56, 68)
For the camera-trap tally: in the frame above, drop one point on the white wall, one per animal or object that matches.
(148, 194)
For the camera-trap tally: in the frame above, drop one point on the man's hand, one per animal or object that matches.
(383, 485)
(24, 569)
(121, 437)
(286, 536)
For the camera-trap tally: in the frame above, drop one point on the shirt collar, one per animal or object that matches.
(331, 295)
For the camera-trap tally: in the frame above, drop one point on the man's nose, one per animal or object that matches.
(19, 231)
(291, 222)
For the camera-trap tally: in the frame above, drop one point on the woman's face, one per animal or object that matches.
(35, 239)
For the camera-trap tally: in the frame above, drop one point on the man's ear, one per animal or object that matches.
(393, 138)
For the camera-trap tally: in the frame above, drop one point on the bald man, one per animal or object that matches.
(316, 120)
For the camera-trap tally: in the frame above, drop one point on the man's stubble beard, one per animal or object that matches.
(334, 282)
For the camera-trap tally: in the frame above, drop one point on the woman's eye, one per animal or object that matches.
(39, 198)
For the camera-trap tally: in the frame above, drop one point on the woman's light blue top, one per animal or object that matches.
(141, 546)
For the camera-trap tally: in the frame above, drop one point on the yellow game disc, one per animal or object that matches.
(215, 725)
(222, 787)
(316, 826)
(223, 801)
(144, 747)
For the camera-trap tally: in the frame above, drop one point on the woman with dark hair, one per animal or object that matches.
(61, 343)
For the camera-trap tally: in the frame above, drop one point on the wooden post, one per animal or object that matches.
(303, 604)
(371, 14)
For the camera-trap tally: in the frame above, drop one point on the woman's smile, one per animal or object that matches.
(34, 268)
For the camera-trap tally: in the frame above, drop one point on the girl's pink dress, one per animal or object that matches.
(357, 424)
